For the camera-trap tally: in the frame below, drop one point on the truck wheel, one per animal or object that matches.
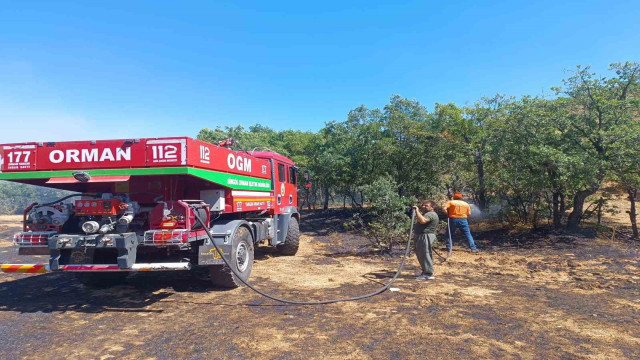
(292, 241)
(241, 260)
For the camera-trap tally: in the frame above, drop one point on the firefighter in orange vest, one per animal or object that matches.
(458, 211)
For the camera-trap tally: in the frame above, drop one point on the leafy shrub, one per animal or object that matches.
(385, 221)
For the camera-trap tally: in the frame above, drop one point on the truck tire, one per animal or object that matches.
(292, 240)
(241, 260)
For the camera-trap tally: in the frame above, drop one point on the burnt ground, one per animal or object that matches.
(532, 295)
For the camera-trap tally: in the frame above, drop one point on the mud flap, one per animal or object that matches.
(222, 233)
(127, 246)
(208, 255)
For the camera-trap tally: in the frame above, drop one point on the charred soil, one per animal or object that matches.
(535, 295)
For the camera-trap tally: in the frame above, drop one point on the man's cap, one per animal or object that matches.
(457, 196)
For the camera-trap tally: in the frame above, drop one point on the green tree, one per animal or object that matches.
(528, 161)
(329, 162)
(625, 165)
(468, 131)
(413, 149)
(598, 108)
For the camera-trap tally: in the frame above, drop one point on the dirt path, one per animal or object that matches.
(557, 297)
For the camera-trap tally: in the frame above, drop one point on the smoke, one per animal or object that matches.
(494, 210)
(476, 213)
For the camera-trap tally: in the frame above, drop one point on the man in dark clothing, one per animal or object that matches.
(425, 236)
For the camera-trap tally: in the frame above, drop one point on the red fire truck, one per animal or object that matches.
(135, 204)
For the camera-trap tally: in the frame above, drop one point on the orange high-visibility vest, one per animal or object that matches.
(458, 209)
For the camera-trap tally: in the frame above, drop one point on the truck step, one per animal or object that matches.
(43, 268)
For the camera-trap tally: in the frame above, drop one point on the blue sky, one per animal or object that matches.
(121, 69)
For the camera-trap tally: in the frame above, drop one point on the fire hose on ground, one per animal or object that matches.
(449, 244)
(179, 266)
(354, 298)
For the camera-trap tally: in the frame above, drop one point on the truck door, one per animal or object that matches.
(291, 188)
(285, 186)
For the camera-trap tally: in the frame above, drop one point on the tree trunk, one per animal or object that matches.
(633, 194)
(481, 192)
(557, 214)
(325, 195)
(353, 200)
(315, 199)
(578, 206)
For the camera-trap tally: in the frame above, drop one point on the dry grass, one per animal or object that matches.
(558, 297)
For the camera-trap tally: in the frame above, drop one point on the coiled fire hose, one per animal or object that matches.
(380, 291)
